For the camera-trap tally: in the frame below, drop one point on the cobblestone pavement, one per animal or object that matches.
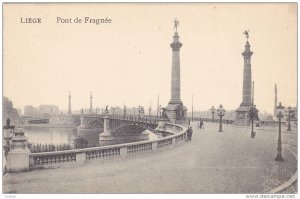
(213, 162)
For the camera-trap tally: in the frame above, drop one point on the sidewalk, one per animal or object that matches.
(213, 162)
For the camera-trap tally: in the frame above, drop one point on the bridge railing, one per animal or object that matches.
(274, 123)
(149, 120)
(216, 120)
(81, 156)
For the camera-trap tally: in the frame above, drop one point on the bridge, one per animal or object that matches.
(90, 121)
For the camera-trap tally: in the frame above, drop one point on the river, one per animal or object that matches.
(59, 136)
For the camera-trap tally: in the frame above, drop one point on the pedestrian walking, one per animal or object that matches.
(201, 123)
(189, 133)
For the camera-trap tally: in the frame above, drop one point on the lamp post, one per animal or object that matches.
(221, 113)
(253, 112)
(289, 110)
(142, 112)
(212, 109)
(280, 115)
(139, 112)
(124, 112)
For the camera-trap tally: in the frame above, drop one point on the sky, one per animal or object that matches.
(129, 60)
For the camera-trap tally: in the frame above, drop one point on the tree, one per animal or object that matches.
(9, 111)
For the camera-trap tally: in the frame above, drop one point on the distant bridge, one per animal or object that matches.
(119, 124)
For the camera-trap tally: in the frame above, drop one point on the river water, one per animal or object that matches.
(59, 136)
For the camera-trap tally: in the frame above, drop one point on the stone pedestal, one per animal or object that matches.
(18, 160)
(18, 156)
(176, 112)
(243, 116)
(106, 134)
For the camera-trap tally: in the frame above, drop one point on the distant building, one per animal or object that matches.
(8, 111)
(48, 110)
(19, 111)
(31, 111)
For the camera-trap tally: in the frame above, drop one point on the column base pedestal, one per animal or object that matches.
(18, 160)
(176, 112)
(243, 115)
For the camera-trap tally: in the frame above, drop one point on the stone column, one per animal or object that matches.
(247, 79)
(175, 110)
(243, 112)
(175, 78)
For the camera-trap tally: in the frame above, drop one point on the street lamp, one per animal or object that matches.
(139, 111)
(142, 112)
(253, 112)
(213, 113)
(221, 113)
(289, 110)
(280, 114)
(124, 112)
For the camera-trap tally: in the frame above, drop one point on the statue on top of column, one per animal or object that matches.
(176, 24)
(106, 112)
(246, 33)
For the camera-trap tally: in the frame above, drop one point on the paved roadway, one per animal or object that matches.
(213, 162)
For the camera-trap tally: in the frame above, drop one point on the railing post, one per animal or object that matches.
(123, 151)
(173, 141)
(154, 146)
(80, 158)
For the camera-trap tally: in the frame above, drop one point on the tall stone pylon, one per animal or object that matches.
(243, 112)
(175, 78)
(175, 109)
(69, 111)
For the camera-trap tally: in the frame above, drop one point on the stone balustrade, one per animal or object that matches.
(81, 156)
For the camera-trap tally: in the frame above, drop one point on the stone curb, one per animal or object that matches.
(288, 183)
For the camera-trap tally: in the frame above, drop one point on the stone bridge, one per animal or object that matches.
(119, 129)
(117, 123)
